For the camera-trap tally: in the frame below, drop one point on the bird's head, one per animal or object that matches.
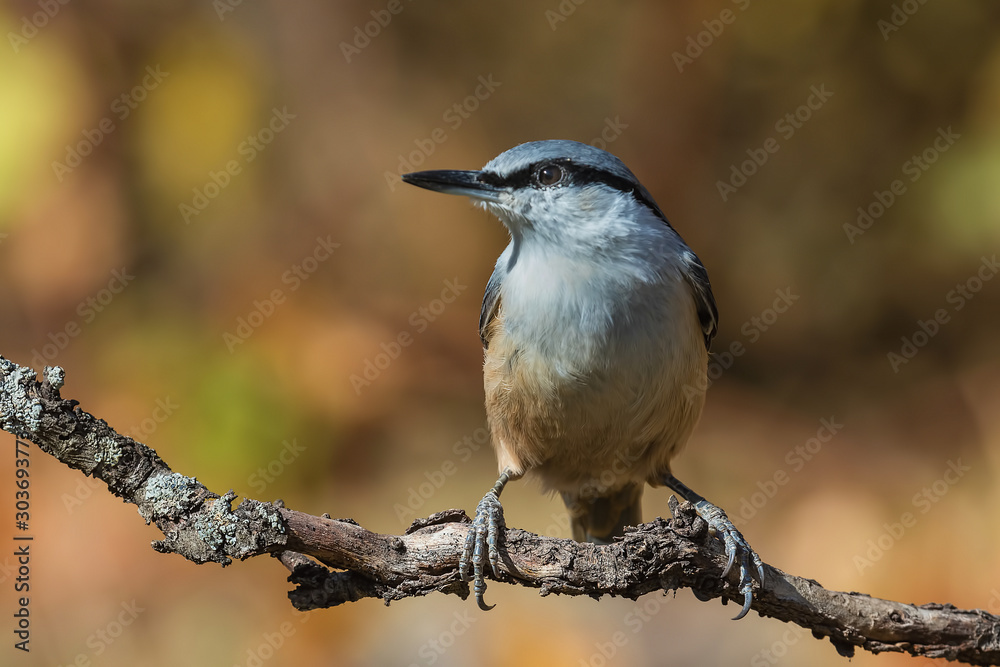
(558, 193)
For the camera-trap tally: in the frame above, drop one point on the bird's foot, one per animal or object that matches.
(736, 544)
(481, 545)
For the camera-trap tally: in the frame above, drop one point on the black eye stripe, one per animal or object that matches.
(573, 174)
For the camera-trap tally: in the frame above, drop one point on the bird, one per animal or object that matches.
(596, 326)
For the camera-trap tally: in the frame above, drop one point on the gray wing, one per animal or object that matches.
(701, 288)
(491, 304)
(695, 274)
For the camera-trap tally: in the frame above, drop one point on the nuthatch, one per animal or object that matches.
(596, 325)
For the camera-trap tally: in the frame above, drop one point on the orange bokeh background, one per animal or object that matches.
(201, 221)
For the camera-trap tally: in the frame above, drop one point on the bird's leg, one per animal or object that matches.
(482, 540)
(731, 537)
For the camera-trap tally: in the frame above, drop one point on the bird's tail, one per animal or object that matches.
(601, 519)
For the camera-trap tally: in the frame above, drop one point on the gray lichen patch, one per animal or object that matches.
(19, 414)
(169, 495)
(264, 514)
(239, 533)
(55, 376)
(107, 452)
(218, 527)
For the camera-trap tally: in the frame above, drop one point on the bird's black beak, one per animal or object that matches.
(452, 182)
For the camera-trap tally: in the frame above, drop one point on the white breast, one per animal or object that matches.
(603, 349)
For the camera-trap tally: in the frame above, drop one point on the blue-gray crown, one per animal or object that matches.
(584, 164)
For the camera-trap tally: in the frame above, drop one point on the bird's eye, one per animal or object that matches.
(550, 174)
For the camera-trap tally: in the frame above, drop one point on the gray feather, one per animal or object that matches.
(701, 288)
(491, 304)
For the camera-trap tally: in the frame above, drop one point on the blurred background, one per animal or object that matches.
(201, 220)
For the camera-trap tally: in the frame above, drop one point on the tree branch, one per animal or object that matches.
(355, 563)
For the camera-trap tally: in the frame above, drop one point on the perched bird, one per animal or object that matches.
(596, 325)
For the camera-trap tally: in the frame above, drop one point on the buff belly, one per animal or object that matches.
(576, 420)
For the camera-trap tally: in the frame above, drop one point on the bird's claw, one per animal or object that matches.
(735, 544)
(481, 546)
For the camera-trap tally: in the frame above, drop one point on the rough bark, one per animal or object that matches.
(335, 561)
